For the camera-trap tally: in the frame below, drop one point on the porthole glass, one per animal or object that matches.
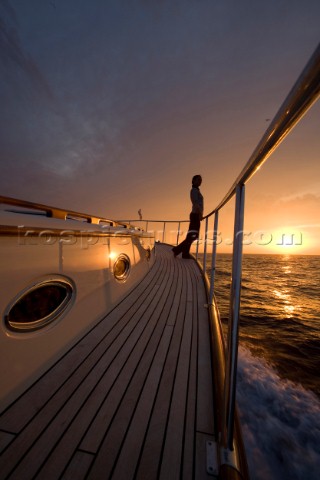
(38, 305)
(121, 267)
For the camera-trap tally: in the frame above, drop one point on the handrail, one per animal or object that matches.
(154, 221)
(302, 96)
(58, 213)
(163, 222)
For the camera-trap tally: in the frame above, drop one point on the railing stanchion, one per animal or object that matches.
(233, 327)
(163, 233)
(214, 256)
(178, 232)
(205, 246)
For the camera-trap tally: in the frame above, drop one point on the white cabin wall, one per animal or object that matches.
(88, 264)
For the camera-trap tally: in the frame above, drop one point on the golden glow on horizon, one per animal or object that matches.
(296, 242)
(285, 241)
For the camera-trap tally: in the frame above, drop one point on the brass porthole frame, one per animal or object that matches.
(123, 258)
(45, 320)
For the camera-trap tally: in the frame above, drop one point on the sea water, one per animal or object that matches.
(278, 384)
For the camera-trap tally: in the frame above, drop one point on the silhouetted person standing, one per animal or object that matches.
(195, 219)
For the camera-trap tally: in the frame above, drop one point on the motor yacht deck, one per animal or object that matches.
(132, 399)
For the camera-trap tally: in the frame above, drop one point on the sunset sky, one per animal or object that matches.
(109, 106)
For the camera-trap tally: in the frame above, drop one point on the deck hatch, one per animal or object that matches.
(38, 305)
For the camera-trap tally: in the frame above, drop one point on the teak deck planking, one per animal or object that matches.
(132, 399)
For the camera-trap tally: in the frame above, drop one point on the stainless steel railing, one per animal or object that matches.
(302, 96)
(161, 233)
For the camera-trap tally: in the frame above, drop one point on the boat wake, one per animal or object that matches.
(282, 428)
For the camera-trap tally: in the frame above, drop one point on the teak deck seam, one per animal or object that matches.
(131, 399)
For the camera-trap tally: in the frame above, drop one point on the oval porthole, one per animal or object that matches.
(39, 305)
(121, 267)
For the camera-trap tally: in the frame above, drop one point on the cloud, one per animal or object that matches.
(307, 225)
(311, 194)
(118, 97)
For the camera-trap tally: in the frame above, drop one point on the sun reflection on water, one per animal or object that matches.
(290, 306)
(286, 269)
(287, 302)
(282, 295)
(289, 309)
